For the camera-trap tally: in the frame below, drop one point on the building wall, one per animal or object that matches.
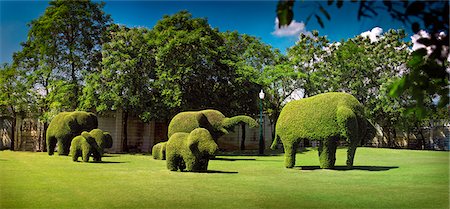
(142, 136)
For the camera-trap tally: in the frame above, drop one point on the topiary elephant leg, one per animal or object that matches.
(172, 162)
(51, 144)
(76, 155)
(327, 153)
(289, 154)
(85, 154)
(351, 152)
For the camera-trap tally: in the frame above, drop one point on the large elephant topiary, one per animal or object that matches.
(326, 118)
(212, 120)
(90, 143)
(190, 151)
(159, 151)
(65, 126)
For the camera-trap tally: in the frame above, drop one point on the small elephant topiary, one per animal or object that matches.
(85, 147)
(90, 143)
(326, 118)
(212, 120)
(190, 151)
(103, 138)
(159, 151)
(65, 126)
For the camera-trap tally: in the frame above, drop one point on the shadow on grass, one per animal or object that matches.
(233, 159)
(107, 162)
(345, 168)
(214, 171)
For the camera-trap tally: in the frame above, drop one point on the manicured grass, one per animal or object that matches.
(382, 178)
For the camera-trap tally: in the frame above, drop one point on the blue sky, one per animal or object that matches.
(255, 18)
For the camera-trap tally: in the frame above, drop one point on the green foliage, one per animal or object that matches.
(325, 117)
(159, 151)
(212, 120)
(84, 147)
(127, 59)
(59, 51)
(102, 138)
(65, 126)
(198, 67)
(190, 151)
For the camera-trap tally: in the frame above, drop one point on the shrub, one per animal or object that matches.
(190, 151)
(65, 126)
(159, 151)
(326, 118)
(84, 147)
(212, 120)
(102, 138)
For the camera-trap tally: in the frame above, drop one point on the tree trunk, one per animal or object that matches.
(243, 136)
(125, 131)
(422, 142)
(44, 140)
(13, 132)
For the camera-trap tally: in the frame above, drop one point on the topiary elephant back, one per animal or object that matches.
(212, 120)
(65, 126)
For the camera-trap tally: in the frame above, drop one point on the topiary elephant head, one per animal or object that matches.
(212, 120)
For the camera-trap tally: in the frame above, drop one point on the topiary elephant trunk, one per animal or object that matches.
(229, 123)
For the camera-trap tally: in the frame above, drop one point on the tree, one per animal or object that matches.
(195, 68)
(126, 79)
(14, 96)
(428, 75)
(63, 49)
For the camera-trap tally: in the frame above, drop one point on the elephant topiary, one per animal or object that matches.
(65, 126)
(190, 151)
(326, 118)
(212, 120)
(84, 147)
(159, 151)
(103, 138)
(90, 143)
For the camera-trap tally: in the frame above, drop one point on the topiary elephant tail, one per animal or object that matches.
(275, 142)
(233, 121)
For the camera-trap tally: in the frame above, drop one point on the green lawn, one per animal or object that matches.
(382, 178)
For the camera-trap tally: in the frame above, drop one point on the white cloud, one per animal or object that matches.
(293, 29)
(374, 35)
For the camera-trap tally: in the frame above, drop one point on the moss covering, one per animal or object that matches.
(327, 118)
(212, 120)
(190, 151)
(84, 147)
(65, 126)
(159, 151)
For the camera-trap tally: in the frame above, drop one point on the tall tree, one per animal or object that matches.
(63, 45)
(126, 80)
(195, 69)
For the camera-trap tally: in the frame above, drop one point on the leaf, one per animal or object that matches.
(319, 20)
(425, 41)
(415, 27)
(339, 3)
(327, 15)
(415, 8)
(397, 88)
